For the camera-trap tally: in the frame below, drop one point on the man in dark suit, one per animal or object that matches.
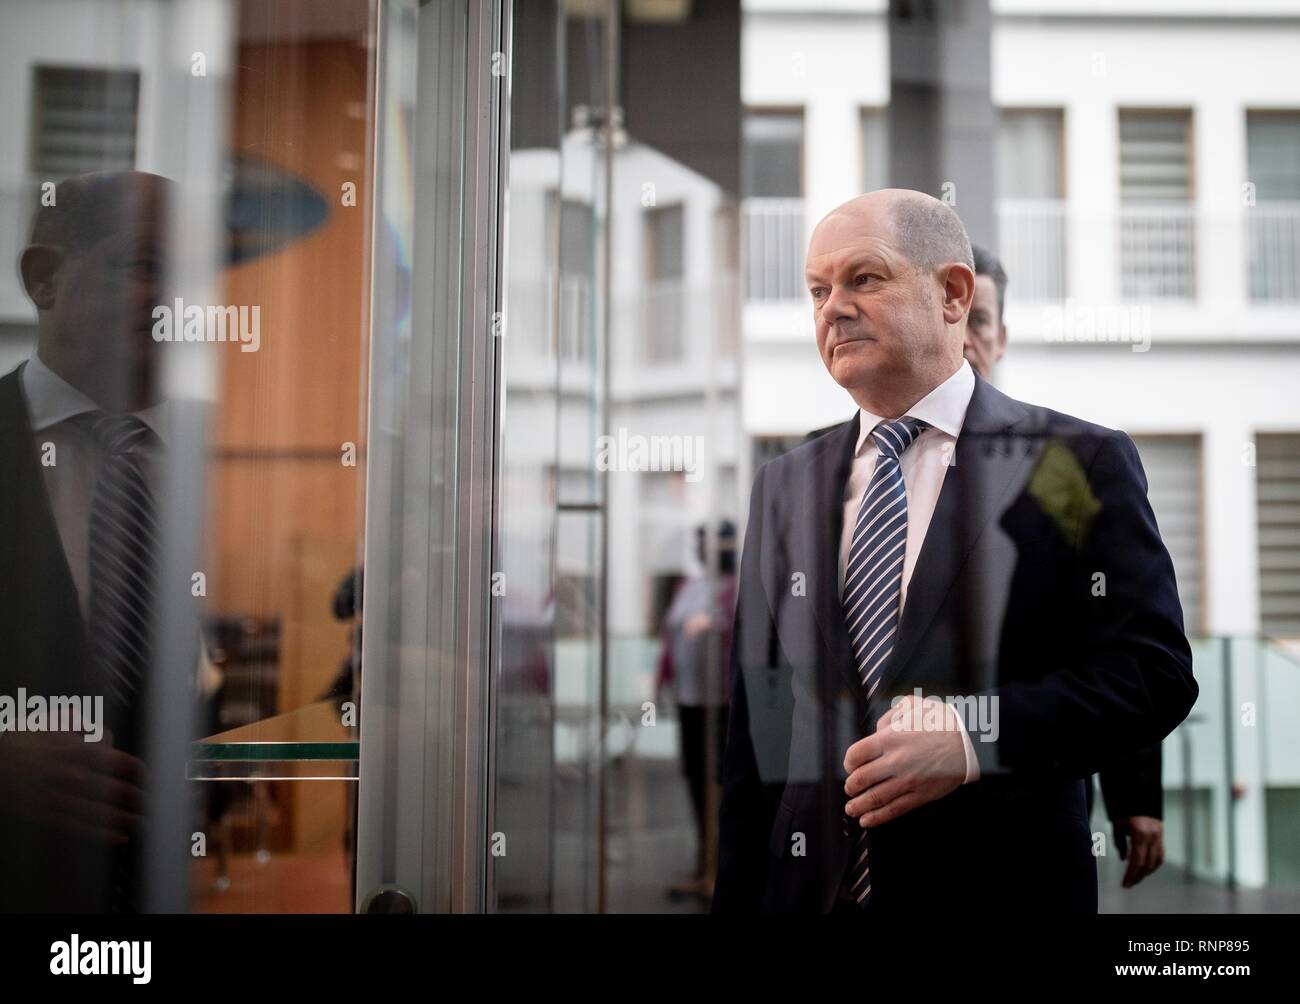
(81, 433)
(952, 609)
(1130, 787)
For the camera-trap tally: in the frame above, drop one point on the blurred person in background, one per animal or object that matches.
(694, 656)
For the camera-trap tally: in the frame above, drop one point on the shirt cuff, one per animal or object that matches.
(972, 764)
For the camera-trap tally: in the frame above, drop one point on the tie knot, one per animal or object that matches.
(115, 434)
(893, 438)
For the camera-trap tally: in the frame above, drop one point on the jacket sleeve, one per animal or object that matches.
(748, 806)
(1123, 680)
(1131, 785)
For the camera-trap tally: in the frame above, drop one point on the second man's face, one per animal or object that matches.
(986, 338)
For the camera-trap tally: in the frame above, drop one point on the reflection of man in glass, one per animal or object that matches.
(81, 430)
(1131, 786)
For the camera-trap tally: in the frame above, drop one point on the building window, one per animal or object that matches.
(575, 323)
(1173, 469)
(772, 183)
(1031, 202)
(1157, 226)
(1277, 485)
(1273, 155)
(662, 314)
(773, 155)
(83, 120)
(875, 149)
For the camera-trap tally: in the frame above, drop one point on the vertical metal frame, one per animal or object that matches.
(431, 472)
(498, 124)
(478, 651)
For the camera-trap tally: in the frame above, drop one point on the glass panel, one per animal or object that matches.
(198, 261)
(546, 746)
(115, 232)
(524, 783)
(288, 464)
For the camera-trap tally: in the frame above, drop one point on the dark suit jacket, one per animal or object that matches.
(43, 649)
(1131, 785)
(1042, 582)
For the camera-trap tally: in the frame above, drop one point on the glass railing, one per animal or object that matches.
(308, 743)
(1231, 770)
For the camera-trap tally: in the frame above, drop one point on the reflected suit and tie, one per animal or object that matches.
(82, 434)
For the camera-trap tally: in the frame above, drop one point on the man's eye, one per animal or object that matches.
(818, 293)
(863, 278)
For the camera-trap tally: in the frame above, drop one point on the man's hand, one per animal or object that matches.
(1141, 842)
(57, 779)
(907, 762)
(696, 625)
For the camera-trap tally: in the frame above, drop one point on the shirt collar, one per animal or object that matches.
(51, 400)
(944, 408)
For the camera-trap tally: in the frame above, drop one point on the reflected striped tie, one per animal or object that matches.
(123, 554)
(123, 550)
(873, 577)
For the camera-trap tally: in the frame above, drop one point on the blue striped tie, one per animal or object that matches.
(873, 577)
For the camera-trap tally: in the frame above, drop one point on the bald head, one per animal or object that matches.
(88, 208)
(890, 275)
(926, 231)
(94, 269)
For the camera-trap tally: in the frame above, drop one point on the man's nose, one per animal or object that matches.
(838, 307)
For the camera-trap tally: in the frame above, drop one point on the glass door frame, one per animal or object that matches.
(431, 474)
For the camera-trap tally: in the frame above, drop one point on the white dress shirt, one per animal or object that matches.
(70, 482)
(924, 465)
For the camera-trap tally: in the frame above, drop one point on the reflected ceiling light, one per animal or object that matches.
(658, 11)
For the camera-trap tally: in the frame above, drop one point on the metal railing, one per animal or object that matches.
(663, 321)
(1273, 232)
(1157, 251)
(774, 244)
(576, 319)
(1032, 242)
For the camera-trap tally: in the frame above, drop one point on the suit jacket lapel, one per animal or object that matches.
(989, 468)
(26, 508)
(818, 554)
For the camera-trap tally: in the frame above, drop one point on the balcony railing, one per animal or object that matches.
(1273, 230)
(1032, 240)
(576, 320)
(663, 321)
(1157, 252)
(679, 322)
(774, 245)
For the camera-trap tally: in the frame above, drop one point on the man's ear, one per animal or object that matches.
(39, 264)
(1002, 341)
(958, 291)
